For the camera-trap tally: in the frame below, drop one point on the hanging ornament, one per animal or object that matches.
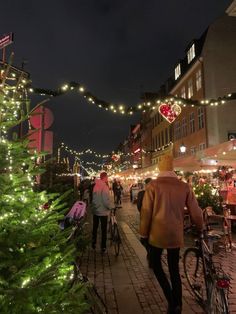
(169, 111)
(115, 157)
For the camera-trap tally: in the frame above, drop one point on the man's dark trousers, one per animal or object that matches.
(103, 220)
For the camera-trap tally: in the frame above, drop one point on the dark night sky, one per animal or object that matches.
(117, 49)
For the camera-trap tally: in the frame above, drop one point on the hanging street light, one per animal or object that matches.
(182, 148)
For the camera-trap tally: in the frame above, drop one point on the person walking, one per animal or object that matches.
(162, 225)
(141, 194)
(101, 206)
(118, 193)
(114, 185)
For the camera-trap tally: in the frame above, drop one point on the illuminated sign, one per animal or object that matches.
(6, 40)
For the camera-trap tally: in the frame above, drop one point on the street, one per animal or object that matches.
(126, 283)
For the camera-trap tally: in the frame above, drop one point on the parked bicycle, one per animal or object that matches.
(208, 282)
(114, 231)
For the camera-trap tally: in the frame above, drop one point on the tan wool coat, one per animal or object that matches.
(162, 212)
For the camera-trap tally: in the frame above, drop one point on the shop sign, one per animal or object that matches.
(6, 40)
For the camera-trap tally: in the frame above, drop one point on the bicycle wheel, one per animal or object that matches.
(193, 269)
(111, 231)
(116, 239)
(218, 302)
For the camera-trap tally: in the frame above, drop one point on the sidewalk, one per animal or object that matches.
(126, 283)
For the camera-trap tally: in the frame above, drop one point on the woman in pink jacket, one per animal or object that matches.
(161, 227)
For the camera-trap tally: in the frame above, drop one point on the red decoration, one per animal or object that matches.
(169, 111)
(115, 157)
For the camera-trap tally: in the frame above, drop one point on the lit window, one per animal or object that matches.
(191, 53)
(200, 113)
(198, 79)
(202, 146)
(184, 127)
(183, 92)
(177, 71)
(190, 88)
(191, 122)
(193, 150)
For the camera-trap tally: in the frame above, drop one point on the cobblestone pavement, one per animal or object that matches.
(127, 284)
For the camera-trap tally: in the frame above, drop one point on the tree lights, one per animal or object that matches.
(35, 268)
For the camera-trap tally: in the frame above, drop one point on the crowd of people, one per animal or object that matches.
(161, 205)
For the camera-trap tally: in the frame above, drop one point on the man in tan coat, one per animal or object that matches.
(161, 226)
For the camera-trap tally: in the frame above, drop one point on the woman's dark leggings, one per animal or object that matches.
(173, 291)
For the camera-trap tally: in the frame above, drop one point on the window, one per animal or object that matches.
(162, 138)
(193, 150)
(202, 146)
(166, 136)
(177, 71)
(200, 113)
(184, 127)
(190, 88)
(198, 79)
(191, 53)
(183, 92)
(191, 122)
(159, 139)
(177, 130)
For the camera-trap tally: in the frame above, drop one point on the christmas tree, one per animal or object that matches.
(36, 259)
(208, 196)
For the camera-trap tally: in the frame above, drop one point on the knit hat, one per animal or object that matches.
(146, 181)
(166, 163)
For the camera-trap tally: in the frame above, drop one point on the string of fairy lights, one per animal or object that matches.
(78, 155)
(129, 110)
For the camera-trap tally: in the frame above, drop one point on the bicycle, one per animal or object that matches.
(208, 282)
(114, 232)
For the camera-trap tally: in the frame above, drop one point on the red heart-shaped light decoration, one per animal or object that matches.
(169, 111)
